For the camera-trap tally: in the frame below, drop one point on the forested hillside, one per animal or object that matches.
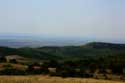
(94, 59)
(94, 50)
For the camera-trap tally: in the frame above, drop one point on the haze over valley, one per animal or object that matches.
(62, 41)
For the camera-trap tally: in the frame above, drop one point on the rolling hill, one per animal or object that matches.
(92, 49)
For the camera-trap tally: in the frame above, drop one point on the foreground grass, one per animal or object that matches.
(47, 79)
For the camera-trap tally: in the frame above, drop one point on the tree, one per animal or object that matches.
(13, 61)
(3, 59)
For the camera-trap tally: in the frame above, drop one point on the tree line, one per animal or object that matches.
(85, 68)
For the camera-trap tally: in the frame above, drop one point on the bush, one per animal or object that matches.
(3, 59)
(13, 61)
(10, 71)
(44, 70)
(53, 74)
(6, 66)
(39, 70)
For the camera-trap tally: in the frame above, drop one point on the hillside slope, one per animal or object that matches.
(93, 49)
(90, 49)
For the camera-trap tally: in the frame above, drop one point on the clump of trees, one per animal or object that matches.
(84, 68)
(11, 71)
(3, 59)
(36, 68)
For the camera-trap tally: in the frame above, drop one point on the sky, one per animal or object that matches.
(99, 19)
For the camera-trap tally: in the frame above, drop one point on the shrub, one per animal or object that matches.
(3, 59)
(10, 71)
(13, 61)
(7, 66)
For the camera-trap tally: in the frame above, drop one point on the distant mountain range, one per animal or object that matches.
(25, 40)
(17, 43)
(37, 41)
(20, 43)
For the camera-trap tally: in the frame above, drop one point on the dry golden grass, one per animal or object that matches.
(47, 79)
(15, 66)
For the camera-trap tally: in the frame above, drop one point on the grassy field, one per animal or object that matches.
(47, 79)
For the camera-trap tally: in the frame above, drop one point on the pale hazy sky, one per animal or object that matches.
(102, 19)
